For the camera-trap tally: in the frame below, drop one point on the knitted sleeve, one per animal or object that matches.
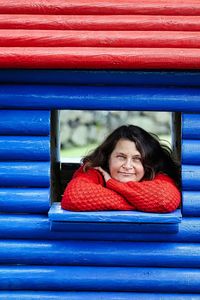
(85, 192)
(158, 195)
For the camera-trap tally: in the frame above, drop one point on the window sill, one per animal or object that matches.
(125, 221)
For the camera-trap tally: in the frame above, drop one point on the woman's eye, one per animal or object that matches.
(121, 157)
(137, 159)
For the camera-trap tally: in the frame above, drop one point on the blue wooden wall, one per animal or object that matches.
(25, 161)
(37, 263)
(191, 164)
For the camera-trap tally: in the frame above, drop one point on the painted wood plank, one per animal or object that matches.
(24, 174)
(101, 7)
(191, 126)
(29, 227)
(101, 38)
(175, 280)
(191, 203)
(95, 97)
(29, 148)
(110, 227)
(191, 177)
(56, 213)
(99, 58)
(100, 22)
(25, 200)
(191, 152)
(110, 77)
(24, 122)
(100, 253)
(50, 295)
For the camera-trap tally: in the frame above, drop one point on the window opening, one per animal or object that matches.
(165, 125)
(79, 132)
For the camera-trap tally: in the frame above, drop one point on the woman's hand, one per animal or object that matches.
(105, 174)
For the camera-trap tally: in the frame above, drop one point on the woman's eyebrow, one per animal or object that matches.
(121, 153)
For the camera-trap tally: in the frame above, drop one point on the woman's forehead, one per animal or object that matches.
(126, 146)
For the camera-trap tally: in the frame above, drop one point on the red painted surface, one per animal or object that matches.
(101, 7)
(101, 22)
(100, 34)
(122, 39)
(100, 58)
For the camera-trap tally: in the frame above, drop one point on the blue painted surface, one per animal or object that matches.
(191, 164)
(175, 78)
(100, 253)
(191, 177)
(133, 221)
(154, 263)
(191, 203)
(191, 126)
(25, 200)
(24, 122)
(25, 174)
(117, 227)
(56, 213)
(28, 148)
(191, 152)
(64, 278)
(50, 295)
(102, 98)
(38, 227)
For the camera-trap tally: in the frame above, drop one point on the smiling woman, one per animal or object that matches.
(125, 163)
(130, 170)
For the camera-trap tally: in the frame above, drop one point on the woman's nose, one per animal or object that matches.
(128, 164)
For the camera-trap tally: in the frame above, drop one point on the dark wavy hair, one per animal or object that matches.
(156, 156)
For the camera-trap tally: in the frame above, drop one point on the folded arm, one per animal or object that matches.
(157, 195)
(85, 193)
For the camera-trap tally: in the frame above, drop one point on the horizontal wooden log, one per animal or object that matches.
(99, 58)
(191, 203)
(191, 126)
(101, 7)
(24, 122)
(50, 295)
(29, 148)
(38, 227)
(100, 22)
(100, 253)
(95, 97)
(89, 38)
(21, 200)
(175, 280)
(80, 77)
(24, 174)
(191, 177)
(191, 152)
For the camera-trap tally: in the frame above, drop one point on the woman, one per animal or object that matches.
(130, 170)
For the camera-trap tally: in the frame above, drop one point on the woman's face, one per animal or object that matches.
(125, 162)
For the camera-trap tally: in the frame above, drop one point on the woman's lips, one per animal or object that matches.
(126, 174)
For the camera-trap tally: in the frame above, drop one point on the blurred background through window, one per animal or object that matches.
(81, 131)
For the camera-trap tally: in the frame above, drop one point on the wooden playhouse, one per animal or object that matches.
(95, 55)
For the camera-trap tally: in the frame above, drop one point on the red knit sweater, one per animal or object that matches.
(87, 191)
